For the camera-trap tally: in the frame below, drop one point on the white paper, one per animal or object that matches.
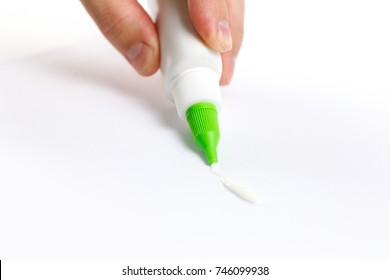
(94, 162)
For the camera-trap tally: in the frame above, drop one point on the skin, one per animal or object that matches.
(220, 23)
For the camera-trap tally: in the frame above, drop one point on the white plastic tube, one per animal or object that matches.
(191, 70)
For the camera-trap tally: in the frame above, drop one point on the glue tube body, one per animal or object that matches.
(191, 74)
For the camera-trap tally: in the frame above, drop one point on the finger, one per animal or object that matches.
(236, 17)
(210, 19)
(130, 29)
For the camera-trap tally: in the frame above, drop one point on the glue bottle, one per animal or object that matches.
(191, 74)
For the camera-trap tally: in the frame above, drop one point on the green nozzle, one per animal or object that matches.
(203, 120)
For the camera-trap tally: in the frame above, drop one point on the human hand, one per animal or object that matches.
(133, 33)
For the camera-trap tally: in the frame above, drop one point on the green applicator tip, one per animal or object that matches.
(203, 120)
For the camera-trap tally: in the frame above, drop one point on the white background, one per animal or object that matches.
(95, 164)
(29, 27)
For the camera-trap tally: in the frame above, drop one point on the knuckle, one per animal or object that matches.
(110, 19)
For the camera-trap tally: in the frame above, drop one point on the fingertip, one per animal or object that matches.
(229, 63)
(130, 29)
(144, 57)
(210, 19)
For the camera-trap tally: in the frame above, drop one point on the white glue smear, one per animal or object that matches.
(239, 190)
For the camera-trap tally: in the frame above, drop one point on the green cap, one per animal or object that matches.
(203, 120)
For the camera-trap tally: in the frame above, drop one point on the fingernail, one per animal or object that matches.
(139, 56)
(224, 35)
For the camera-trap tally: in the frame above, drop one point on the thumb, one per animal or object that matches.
(130, 29)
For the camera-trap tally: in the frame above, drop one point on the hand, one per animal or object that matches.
(131, 30)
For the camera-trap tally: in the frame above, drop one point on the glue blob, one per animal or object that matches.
(239, 190)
